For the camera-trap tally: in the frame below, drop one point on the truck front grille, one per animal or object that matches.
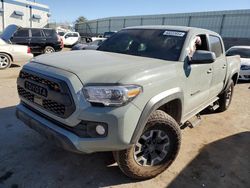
(25, 94)
(52, 85)
(58, 100)
(54, 107)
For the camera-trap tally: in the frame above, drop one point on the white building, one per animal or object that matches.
(23, 13)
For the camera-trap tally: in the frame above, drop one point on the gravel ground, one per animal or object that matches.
(214, 154)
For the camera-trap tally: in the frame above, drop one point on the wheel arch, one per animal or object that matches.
(11, 57)
(169, 101)
(235, 77)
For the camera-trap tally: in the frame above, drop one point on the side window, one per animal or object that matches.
(22, 33)
(75, 35)
(36, 32)
(199, 42)
(50, 32)
(68, 35)
(216, 46)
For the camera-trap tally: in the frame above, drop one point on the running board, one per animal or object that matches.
(214, 106)
(193, 122)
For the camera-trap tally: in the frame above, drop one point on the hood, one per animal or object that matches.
(8, 32)
(245, 61)
(93, 66)
(79, 46)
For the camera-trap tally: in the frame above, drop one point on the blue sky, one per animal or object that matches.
(64, 10)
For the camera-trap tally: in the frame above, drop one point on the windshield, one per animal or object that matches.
(242, 52)
(8, 32)
(152, 43)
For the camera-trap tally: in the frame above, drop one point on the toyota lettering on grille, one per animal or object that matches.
(36, 89)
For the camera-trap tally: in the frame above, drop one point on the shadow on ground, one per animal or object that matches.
(14, 65)
(27, 160)
(224, 163)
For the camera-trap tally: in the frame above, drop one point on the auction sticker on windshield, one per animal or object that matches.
(174, 33)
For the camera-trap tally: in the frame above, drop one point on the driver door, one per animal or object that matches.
(198, 80)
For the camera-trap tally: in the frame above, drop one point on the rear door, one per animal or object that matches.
(21, 36)
(219, 66)
(37, 41)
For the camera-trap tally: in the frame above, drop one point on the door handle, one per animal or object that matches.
(209, 71)
(224, 66)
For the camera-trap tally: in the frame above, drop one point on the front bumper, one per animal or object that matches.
(117, 138)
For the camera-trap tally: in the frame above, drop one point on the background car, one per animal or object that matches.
(244, 53)
(69, 38)
(89, 46)
(13, 53)
(109, 34)
(104, 36)
(39, 40)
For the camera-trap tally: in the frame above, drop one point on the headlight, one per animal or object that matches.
(111, 95)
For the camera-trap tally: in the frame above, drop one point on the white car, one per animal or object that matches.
(69, 38)
(244, 53)
(13, 53)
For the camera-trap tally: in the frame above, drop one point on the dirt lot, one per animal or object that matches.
(214, 154)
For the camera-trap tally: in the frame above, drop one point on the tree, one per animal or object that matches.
(81, 19)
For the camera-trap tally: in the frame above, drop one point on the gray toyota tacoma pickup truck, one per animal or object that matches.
(130, 96)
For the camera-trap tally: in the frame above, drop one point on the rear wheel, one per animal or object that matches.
(226, 97)
(49, 50)
(155, 150)
(5, 61)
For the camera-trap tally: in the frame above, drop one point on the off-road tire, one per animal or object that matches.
(125, 159)
(7, 61)
(224, 102)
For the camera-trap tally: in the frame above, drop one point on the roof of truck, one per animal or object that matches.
(179, 28)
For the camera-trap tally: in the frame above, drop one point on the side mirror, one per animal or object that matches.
(203, 57)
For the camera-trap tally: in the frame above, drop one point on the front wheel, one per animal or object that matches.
(5, 61)
(225, 98)
(49, 50)
(155, 150)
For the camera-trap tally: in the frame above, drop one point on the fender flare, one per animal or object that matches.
(227, 83)
(152, 105)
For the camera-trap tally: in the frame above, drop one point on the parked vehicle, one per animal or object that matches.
(70, 38)
(97, 38)
(89, 46)
(244, 53)
(39, 40)
(13, 53)
(129, 96)
(106, 35)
